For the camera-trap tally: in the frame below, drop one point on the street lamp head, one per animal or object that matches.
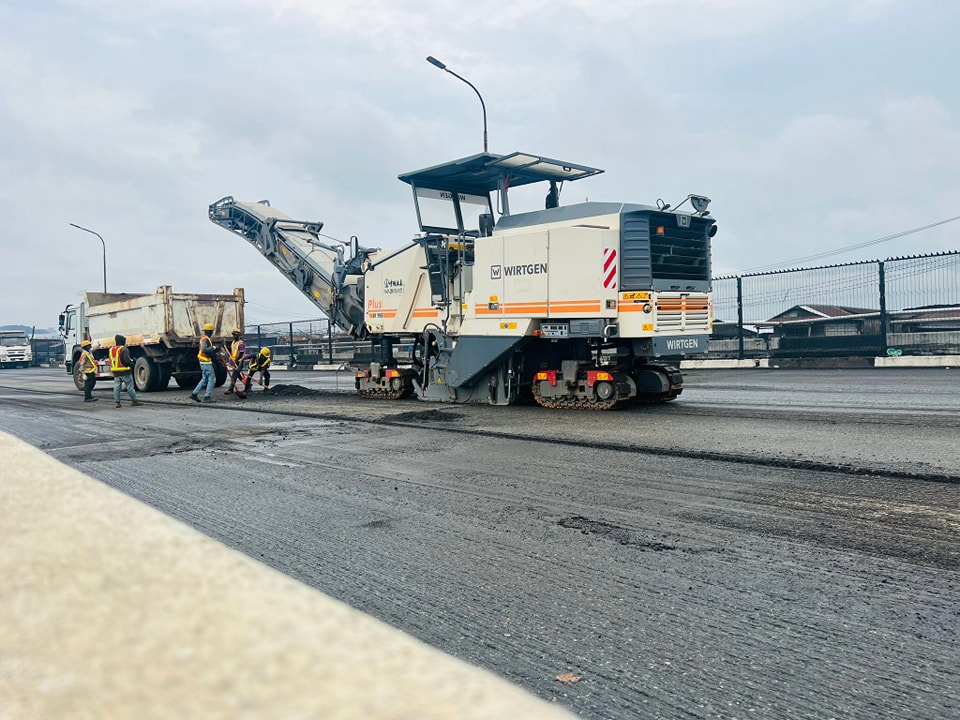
(94, 232)
(436, 63)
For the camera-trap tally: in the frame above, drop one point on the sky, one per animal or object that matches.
(813, 126)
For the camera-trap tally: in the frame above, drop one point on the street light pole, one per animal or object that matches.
(436, 63)
(104, 253)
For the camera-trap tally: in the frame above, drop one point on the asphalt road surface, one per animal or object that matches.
(774, 544)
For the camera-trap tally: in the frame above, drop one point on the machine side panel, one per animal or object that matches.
(578, 256)
(487, 295)
(398, 298)
(525, 272)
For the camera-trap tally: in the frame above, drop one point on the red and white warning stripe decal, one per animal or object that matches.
(610, 268)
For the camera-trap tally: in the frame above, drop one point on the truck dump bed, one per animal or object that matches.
(164, 317)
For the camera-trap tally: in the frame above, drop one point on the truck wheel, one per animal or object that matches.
(220, 372)
(78, 377)
(164, 378)
(146, 374)
(187, 382)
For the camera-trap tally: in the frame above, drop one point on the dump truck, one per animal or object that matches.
(16, 349)
(588, 305)
(162, 329)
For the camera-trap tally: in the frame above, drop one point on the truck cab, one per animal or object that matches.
(15, 349)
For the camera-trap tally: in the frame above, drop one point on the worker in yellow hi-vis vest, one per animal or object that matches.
(88, 366)
(206, 354)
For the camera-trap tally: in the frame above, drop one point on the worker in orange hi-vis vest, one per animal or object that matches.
(121, 366)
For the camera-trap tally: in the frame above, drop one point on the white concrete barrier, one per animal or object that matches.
(109, 608)
(723, 364)
(944, 361)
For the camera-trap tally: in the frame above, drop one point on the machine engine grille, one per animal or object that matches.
(683, 312)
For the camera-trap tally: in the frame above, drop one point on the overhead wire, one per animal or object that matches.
(850, 248)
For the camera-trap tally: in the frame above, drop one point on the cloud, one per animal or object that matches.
(812, 125)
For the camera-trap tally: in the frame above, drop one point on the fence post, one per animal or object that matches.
(291, 363)
(330, 340)
(739, 318)
(883, 307)
(259, 341)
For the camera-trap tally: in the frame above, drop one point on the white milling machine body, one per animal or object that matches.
(576, 306)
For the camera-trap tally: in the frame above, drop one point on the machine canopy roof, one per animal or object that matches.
(480, 174)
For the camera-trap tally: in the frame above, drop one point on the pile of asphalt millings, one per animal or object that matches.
(432, 415)
(298, 391)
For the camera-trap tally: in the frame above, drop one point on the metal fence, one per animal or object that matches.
(303, 343)
(47, 351)
(908, 305)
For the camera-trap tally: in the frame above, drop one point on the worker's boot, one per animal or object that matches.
(136, 403)
(116, 404)
(194, 397)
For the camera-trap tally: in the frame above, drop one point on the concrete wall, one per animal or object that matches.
(109, 608)
(944, 361)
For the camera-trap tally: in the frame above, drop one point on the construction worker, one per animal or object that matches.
(261, 364)
(88, 366)
(238, 358)
(121, 366)
(205, 354)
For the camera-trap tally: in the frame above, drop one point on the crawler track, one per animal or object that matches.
(382, 393)
(618, 400)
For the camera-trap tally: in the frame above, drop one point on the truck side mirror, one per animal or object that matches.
(62, 318)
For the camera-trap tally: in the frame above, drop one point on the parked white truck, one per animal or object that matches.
(162, 329)
(15, 349)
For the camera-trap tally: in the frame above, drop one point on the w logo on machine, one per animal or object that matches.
(610, 268)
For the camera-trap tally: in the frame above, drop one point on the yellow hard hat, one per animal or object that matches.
(208, 327)
(266, 351)
(84, 343)
(237, 331)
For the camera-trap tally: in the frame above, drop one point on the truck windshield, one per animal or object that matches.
(13, 340)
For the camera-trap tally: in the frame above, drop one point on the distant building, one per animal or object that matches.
(825, 321)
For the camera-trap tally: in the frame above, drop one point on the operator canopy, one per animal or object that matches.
(452, 196)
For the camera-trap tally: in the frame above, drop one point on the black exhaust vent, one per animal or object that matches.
(664, 251)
